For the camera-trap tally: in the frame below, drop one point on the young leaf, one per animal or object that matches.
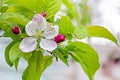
(86, 56)
(66, 26)
(16, 63)
(47, 61)
(7, 53)
(14, 52)
(62, 54)
(36, 65)
(99, 31)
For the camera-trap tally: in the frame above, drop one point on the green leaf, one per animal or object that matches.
(99, 31)
(21, 10)
(86, 56)
(62, 54)
(14, 18)
(85, 12)
(66, 26)
(47, 61)
(36, 65)
(51, 7)
(16, 64)
(4, 25)
(2, 2)
(3, 8)
(38, 6)
(15, 52)
(72, 9)
(81, 32)
(30, 4)
(7, 28)
(7, 58)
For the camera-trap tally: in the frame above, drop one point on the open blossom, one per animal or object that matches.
(40, 33)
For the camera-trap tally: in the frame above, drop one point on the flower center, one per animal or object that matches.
(39, 34)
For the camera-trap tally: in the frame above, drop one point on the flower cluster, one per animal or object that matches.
(42, 34)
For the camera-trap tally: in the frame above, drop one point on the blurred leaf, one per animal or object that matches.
(72, 9)
(30, 4)
(3, 8)
(99, 31)
(66, 26)
(81, 32)
(21, 10)
(85, 12)
(36, 65)
(86, 56)
(2, 2)
(4, 25)
(14, 17)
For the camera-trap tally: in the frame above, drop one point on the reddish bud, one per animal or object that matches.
(16, 30)
(44, 14)
(59, 38)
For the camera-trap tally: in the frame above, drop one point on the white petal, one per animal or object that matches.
(42, 24)
(31, 28)
(51, 32)
(49, 45)
(28, 44)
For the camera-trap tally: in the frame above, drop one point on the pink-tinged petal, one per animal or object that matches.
(49, 45)
(51, 32)
(31, 28)
(42, 24)
(38, 18)
(28, 44)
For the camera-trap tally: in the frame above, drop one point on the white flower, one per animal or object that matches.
(41, 33)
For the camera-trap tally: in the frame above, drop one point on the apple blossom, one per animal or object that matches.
(39, 32)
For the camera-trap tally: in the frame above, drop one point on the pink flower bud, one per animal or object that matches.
(16, 30)
(44, 14)
(59, 38)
